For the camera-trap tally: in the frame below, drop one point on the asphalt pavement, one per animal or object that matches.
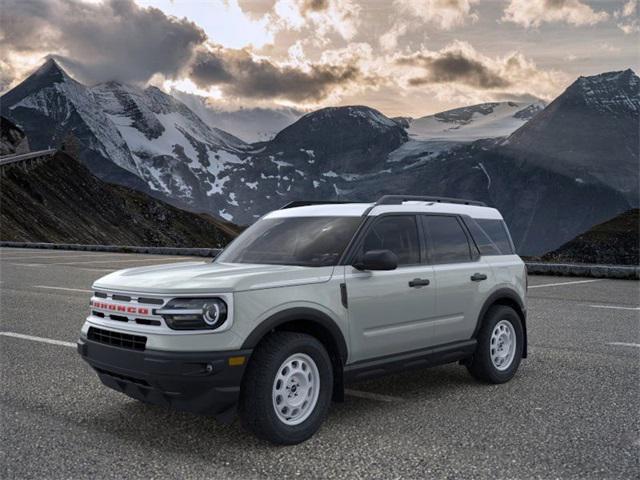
(572, 411)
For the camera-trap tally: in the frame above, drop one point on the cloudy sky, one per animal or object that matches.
(404, 57)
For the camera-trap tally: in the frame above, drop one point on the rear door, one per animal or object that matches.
(462, 278)
(391, 311)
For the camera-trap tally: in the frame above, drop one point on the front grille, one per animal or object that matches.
(117, 339)
(152, 301)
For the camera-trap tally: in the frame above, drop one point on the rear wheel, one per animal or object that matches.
(500, 343)
(286, 391)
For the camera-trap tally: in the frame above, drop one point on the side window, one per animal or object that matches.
(396, 233)
(497, 231)
(447, 241)
(482, 239)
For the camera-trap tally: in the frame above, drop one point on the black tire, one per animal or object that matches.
(256, 408)
(480, 365)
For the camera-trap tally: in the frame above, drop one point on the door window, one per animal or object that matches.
(448, 242)
(396, 233)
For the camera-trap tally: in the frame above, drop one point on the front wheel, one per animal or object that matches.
(500, 344)
(286, 391)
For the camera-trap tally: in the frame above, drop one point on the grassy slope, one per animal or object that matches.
(59, 200)
(615, 242)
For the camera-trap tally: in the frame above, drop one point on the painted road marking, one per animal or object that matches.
(101, 261)
(615, 307)
(353, 393)
(564, 283)
(38, 339)
(62, 288)
(63, 255)
(95, 269)
(120, 261)
(623, 344)
(372, 396)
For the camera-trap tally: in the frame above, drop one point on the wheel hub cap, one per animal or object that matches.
(296, 389)
(503, 345)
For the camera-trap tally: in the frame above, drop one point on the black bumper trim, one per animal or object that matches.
(197, 382)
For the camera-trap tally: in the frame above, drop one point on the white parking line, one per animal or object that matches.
(623, 344)
(101, 261)
(372, 396)
(564, 283)
(62, 255)
(353, 393)
(63, 288)
(615, 307)
(95, 269)
(38, 339)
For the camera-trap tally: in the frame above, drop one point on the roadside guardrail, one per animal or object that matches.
(198, 252)
(534, 268)
(8, 159)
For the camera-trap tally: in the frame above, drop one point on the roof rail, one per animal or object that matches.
(306, 203)
(399, 199)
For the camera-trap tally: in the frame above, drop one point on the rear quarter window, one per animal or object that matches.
(491, 236)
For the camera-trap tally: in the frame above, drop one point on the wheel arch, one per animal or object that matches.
(312, 322)
(509, 298)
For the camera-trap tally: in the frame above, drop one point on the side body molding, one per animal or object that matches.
(509, 297)
(299, 314)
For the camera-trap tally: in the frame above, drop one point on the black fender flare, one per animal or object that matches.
(299, 314)
(495, 298)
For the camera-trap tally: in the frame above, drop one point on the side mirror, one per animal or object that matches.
(377, 260)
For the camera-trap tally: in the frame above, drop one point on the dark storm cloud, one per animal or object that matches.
(114, 40)
(238, 73)
(454, 67)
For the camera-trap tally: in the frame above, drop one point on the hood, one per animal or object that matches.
(207, 277)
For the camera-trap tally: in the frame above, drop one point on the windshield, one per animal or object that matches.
(305, 241)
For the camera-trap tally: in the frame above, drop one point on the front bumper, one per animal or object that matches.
(198, 382)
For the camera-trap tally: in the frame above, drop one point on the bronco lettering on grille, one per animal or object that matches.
(119, 308)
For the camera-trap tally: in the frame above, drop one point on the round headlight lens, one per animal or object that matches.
(211, 313)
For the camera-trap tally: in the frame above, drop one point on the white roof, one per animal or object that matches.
(357, 209)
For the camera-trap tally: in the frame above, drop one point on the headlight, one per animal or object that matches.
(194, 313)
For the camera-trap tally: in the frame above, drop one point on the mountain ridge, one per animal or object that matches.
(357, 153)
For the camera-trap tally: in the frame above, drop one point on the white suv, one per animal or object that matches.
(309, 298)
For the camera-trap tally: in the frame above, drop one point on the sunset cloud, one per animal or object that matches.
(533, 13)
(443, 14)
(402, 56)
(458, 70)
(627, 17)
(115, 39)
(241, 74)
(320, 17)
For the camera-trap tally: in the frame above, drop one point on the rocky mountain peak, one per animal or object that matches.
(345, 126)
(608, 91)
(51, 71)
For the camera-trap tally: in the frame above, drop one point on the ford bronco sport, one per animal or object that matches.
(310, 298)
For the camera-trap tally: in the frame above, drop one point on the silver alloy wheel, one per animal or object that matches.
(503, 345)
(296, 389)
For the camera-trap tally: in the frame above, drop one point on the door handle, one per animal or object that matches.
(478, 277)
(419, 282)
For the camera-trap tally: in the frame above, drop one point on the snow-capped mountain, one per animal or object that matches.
(51, 103)
(539, 176)
(466, 124)
(138, 137)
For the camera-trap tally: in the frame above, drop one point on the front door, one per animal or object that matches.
(391, 311)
